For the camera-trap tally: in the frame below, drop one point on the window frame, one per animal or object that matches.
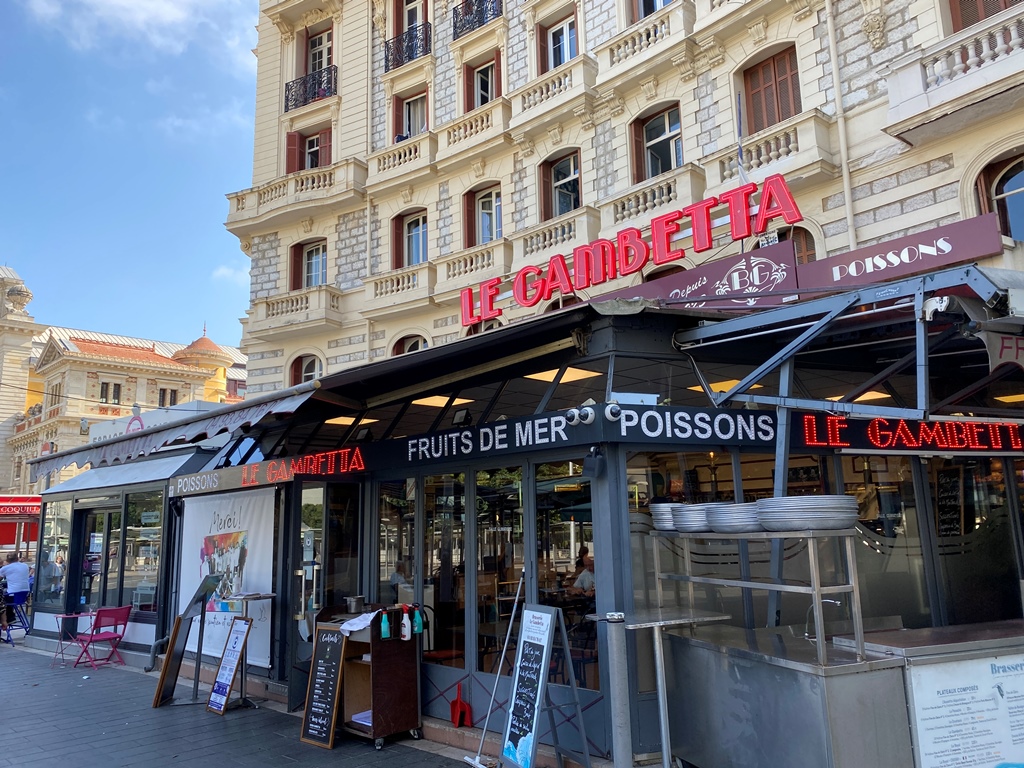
(110, 393)
(319, 45)
(640, 13)
(407, 126)
(568, 27)
(550, 187)
(772, 90)
(314, 264)
(642, 170)
(411, 254)
(297, 150)
(956, 12)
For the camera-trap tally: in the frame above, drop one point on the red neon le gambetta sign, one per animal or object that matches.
(839, 432)
(603, 260)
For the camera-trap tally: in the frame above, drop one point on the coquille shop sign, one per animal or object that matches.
(757, 279)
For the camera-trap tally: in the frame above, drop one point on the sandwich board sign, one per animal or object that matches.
(536, 631)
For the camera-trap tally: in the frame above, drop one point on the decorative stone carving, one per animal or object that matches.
(526, 147)
(18, 296)
(650, 88)
(307, 225)
(758, 29)
(315, 16)
(407, 195)
(555, 134)
(284, 28)
(801, 8)
(380, 19)
(586, 116)
(874, 27)
(478, 167)
(530, 14)
(245, 245)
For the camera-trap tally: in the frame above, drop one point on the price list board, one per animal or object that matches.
(324, 689)
(528, 687)
(228, 669)
(969, 713)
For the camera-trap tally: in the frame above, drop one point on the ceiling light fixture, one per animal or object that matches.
(571, 374)
(724, 386)
(439, 401)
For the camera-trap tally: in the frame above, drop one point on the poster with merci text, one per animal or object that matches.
(230, 534)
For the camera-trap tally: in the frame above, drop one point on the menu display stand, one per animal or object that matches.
(171, 667)
(326, 667)
(227, 670)
(244, 700)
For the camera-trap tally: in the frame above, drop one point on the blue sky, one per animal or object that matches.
(123, 124)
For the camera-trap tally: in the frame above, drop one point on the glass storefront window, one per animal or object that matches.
(444, 583)
(52, 573)
(112, 569)
(395, 539)
(566, 562)
(143, 546)
(500, 555)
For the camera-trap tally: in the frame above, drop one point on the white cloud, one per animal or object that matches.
(206, 122)
(232, 274)
(100, 120)
(168, 26)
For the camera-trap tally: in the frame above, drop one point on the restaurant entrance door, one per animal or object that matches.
(99, 557)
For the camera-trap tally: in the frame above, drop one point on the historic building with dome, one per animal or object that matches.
(56, 383)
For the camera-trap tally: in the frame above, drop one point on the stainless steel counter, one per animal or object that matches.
(931, 641)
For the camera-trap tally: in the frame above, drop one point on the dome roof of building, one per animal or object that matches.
(204, 348)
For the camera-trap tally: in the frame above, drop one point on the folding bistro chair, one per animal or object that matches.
(16, 602)
(108, 626)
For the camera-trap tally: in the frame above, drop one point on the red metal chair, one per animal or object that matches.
(108, 626)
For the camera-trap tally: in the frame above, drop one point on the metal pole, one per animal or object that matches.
(618, 691)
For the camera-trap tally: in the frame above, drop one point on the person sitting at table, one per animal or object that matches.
(584, 584)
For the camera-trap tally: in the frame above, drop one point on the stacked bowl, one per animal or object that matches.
(640, 523)
(807, 513)
(733, 518)
(690, 518)
(661, 514)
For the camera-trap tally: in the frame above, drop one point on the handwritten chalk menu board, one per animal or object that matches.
(969, 712)
(949, 501)
(228, 669)
(324, 686)
(530, 678)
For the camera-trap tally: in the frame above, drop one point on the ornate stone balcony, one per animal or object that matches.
(397, 163)
(287, 199)
(640, 203)
(560, 235)
(554, 97)
(645, 49)
(475, 133)
(471, 267)
(801, 148)
(408, 288)
(968, 77)
(295, 313)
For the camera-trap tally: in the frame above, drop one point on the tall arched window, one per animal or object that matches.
(1001, 189)
(306, 368)
(408, 344)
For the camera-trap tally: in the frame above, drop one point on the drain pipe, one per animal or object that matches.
(158, 646)
(844, 151)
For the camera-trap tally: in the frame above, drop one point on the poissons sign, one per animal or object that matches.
(603, 260)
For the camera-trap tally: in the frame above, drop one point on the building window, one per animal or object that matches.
(647, 7)
(168, 397)
(306, 368)
(320, 52)
(484, 85)
(483, 216)
(482, 82)
(412, 14)
(1001, 189)
(314, 265)
(409, 344)
(773, 90)
(560, 41)
(560, 186)
(968, 12)
(305, 151)
(308, 265)
(657, 145)
(482, 327)
(803, 242)
(413, 117)
(415, 230)
(54, 394)
(110, 393)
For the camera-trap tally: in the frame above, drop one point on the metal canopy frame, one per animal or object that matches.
(828, 311)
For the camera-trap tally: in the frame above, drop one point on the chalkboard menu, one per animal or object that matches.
(530, 678)
(324, 686)
(228, 668)
(949, 501)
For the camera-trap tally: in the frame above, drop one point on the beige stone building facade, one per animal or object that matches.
(406, 151)
(56, 383)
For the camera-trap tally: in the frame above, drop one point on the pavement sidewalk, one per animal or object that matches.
(105, 719)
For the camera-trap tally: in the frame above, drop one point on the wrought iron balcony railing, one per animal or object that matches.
(409, 45)
(473, 14)
(315, 85)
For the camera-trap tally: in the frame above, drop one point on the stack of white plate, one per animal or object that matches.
(807, 513)
(640, 523)
(662, 516)
(690, 518)
(733, 518)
